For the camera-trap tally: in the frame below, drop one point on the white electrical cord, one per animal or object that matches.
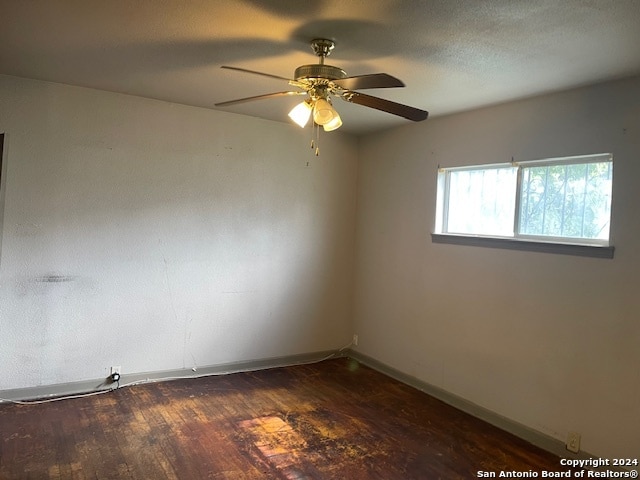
(217, 374)
(163, 379)
(55, 399)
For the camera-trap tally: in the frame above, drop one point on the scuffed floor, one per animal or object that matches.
(332, 420)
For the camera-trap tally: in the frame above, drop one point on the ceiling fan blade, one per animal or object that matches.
(258, 97)
(255, 73)
(375, 80)
(410, 113)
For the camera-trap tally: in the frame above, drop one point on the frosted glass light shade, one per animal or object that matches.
(323, 112)
(333, 124)
(301, 113)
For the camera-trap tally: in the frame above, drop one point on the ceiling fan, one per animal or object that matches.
(320, 82)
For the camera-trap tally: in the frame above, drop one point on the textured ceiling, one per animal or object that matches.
(452, 55)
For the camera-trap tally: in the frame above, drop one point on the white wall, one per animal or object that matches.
(550, 341)
(158, 236)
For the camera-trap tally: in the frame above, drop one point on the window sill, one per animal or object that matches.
(596, 251)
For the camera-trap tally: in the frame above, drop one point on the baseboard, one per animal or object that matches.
(532, 436)
(96, 385)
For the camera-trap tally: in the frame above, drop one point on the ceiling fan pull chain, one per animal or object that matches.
(313, 140)
(317, 128)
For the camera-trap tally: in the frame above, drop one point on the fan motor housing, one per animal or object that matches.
(319, 71)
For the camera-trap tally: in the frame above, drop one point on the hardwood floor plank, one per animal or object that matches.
(330, 420)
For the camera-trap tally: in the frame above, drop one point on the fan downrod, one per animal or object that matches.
(322, 47)
(320, 71)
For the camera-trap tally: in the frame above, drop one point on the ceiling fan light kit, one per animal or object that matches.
(319, 82)
(300, 113)
(333, 124)
(323, 112)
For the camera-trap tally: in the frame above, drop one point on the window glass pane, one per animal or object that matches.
(566, 200)
(482, 202)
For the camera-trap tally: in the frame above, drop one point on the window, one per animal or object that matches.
(554, 201)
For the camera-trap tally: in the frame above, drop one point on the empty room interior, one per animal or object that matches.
(168, 241)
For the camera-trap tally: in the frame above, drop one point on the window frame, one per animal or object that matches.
(541, 243)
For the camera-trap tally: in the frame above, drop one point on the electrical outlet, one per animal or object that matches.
(355, 339)
(115, 373)
(573, 442)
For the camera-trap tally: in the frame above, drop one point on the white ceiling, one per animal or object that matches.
(452, 55)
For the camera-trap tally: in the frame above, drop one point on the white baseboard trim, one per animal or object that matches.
(532, 436)
(97, 385)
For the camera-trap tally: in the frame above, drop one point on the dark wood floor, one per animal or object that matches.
(332, 420)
